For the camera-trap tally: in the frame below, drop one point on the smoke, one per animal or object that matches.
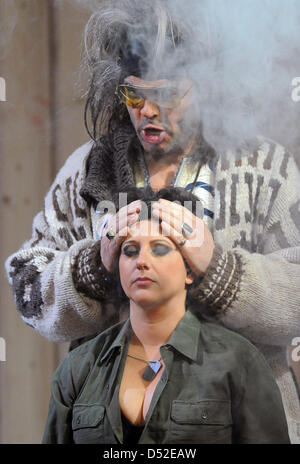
(243, 57)
(252, 50)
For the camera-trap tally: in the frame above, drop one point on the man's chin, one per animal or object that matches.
(157, 152)
(160, 150)
(154, 151)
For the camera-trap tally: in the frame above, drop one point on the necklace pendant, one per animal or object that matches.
(151, 370)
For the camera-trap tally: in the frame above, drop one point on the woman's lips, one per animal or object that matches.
(142, 282)
(153, 136)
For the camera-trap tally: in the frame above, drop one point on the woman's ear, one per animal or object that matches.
(189, 279)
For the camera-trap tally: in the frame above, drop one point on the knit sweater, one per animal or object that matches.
(252, 282)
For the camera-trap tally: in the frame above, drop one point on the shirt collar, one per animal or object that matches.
(120, 340)
(185, 337)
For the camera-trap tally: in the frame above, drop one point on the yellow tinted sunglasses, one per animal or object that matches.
(135, 96)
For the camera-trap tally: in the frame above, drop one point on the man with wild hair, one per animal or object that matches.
(146, 131)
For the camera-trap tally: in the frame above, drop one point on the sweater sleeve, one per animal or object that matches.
(54, 285)
(258, 293)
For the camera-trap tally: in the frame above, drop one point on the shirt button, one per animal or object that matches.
(204, 415)
(78, 420)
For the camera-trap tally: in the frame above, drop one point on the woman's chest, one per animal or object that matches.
(135, 394)
(184, 406)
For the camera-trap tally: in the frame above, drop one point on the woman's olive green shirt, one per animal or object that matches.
(216, 388)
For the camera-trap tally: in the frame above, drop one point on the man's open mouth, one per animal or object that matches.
(152, 131)
(153, 134)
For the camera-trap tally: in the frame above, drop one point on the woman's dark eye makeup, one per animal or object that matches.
(160, 249)
(130, 250)
(157, 249)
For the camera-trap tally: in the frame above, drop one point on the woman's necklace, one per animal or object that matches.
(152, 368)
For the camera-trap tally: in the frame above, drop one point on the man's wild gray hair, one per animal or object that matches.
(127, 37)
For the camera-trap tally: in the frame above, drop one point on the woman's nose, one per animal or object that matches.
(142, 261)
(149, 110)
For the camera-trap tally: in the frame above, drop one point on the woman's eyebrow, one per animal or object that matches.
(161, 240)
(156, 240)
(130, 240)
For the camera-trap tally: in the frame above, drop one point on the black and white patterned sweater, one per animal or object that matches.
(252, 283)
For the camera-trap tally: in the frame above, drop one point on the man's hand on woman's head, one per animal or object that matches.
(188, 231)
(117, 227)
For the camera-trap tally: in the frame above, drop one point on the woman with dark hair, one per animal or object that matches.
(163, 376)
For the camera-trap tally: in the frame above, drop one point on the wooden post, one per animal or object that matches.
(24, 178)
(41, 124)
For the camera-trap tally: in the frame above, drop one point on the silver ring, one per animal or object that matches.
(110, 234)
(186, 230)
(182, 242)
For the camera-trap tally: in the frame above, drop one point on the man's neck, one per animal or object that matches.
(162, 175)
(162, 168)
